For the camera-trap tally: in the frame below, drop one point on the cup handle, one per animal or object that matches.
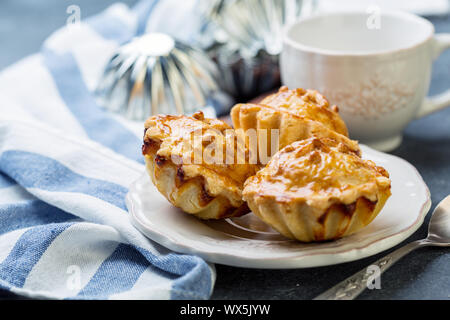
(442, 100)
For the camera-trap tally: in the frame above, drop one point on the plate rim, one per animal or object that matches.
(307, 260)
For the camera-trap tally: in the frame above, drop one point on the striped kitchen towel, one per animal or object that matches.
(65, 165)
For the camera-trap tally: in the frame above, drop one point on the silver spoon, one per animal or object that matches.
(438, 235)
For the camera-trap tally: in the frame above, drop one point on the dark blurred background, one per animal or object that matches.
(25, 24)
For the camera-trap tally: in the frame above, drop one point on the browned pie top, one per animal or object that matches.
(201, 146)
(319, 172)
(309, 104)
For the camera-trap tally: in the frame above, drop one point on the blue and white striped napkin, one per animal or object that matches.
(65, 165)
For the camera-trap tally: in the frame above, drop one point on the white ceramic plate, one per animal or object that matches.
(248, 242)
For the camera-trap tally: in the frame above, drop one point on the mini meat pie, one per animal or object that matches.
(309, 104)
(294, 115)
(317, 189)
(188, 159)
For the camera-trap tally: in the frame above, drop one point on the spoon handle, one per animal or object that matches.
(351, 287)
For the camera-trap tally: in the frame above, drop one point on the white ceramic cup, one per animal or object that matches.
(375, 69)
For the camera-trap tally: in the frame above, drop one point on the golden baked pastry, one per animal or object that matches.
(186, 158)
(317, 189)
(296, 114)
(309, 104)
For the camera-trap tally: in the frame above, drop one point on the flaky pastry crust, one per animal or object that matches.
(296, 114)
(317, 189)
(309, 104)
(207, 187)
